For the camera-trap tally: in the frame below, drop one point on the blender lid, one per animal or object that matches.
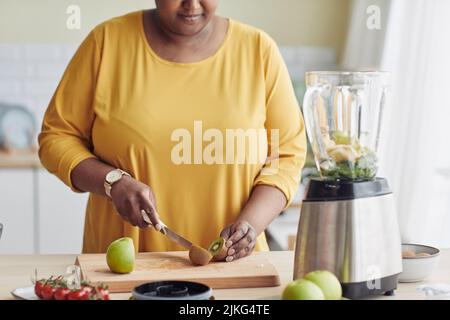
(172, 290)
(333, 190)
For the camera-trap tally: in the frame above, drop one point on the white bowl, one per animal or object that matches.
(418, 268)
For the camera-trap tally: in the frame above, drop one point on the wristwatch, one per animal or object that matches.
(111, 178)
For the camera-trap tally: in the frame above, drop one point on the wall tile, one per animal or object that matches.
(14, 69)
(10, 52)
(12, 87)
(42, 52)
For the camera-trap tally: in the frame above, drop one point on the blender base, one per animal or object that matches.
(357, 290)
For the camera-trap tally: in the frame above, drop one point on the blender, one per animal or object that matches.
(348, 223)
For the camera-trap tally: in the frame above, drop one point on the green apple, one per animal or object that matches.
(302, 290)
(121, 255)
(327, 282)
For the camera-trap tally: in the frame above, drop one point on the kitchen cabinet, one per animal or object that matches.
(16, 211)
(61, 216)
(283, 230)
(39, 213)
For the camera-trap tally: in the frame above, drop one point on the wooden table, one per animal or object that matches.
(16, 271)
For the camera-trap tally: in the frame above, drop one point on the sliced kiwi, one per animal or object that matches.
(221, 255)
(199, 256)
(218, 250)
(216, 245)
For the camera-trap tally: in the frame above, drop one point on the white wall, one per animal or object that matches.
(291, 22)
(36, 45)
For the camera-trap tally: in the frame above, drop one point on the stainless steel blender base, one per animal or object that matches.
(358, 240)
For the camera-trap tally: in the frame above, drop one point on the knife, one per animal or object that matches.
(165, 230)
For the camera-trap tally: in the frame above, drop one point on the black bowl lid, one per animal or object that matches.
(172, 290)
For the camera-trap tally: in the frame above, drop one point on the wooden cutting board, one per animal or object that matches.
(250, 272)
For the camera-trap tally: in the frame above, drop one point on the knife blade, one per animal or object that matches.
(176, 237)
(165, 230)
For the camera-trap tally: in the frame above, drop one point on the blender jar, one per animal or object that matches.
(343, 112)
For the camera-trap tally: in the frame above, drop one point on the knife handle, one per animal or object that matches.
(147, 220)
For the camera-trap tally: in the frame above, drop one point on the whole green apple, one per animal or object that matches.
(121, 255)
(327, 281)
(302, 290)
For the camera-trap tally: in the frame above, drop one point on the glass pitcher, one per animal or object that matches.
(343, 112)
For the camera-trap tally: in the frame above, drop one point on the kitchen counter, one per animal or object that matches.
(19, 160)
(16, 271)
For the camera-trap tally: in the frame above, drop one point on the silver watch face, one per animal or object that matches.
(113, 176)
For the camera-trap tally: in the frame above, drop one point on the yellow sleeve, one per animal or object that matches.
(284, 125)
(65, 137)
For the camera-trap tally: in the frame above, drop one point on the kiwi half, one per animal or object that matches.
(199, 256)
(217, 249)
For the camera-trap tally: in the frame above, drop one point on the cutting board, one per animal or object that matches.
(249, 272)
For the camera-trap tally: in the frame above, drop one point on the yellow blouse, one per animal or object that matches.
(169, 125)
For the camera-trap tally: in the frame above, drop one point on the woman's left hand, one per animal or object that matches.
(240, 239)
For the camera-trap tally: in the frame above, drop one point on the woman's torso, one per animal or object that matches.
(146, 107)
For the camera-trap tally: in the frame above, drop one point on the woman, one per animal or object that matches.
(147, 101)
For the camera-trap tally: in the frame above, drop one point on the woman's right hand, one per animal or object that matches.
(129, 197)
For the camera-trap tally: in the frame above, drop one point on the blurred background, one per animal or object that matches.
(409, 38)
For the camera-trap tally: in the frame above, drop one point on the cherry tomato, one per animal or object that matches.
(86, 294)
(38, 288)
(87, 288)
(102, 293)
(80, 294)
(61, 293)
(76, 295)
(56, 289)
(48, 291)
